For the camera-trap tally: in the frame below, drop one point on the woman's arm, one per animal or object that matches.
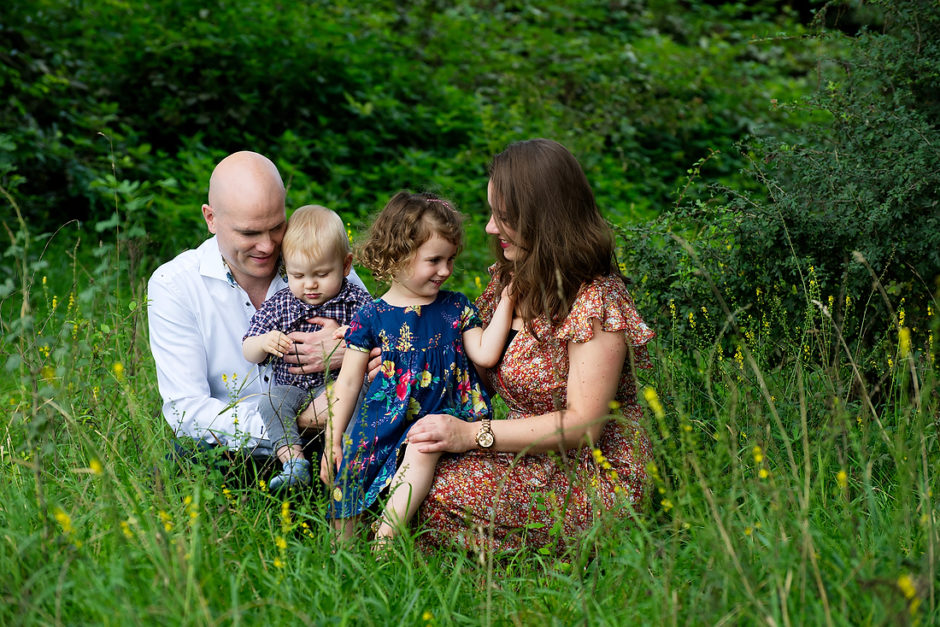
(593, 377)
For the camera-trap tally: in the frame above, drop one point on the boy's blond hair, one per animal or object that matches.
(315, 233)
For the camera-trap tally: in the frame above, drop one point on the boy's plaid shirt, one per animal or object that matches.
(286, 313)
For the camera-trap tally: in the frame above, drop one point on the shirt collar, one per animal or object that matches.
(299, 310)
(213, 265)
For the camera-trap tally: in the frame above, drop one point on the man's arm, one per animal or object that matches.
(179, 350)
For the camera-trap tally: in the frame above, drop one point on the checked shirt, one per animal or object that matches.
(285, 313)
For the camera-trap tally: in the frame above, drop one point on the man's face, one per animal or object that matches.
(249, 236)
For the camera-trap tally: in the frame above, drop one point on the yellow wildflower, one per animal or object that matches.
(652, 399)
(763, 473)
(278, 562)
(842, 478)
(95, 467)
(667, 505)
(904, 341)
(280, 542)
(907, 587)
(427, 616)
(758, 454)
(166, 519)
(64, 520)
(118, 370)
(126, 530)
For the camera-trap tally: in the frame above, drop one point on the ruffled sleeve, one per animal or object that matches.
(359, 335)
(607, 300)
(469, 315)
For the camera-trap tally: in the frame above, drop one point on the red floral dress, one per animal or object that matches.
(504, 500)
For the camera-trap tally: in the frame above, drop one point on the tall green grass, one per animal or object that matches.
(787, 487)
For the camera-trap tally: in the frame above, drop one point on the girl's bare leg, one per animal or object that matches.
(346, 527)
(410, 485)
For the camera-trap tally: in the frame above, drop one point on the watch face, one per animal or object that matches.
(485, 438)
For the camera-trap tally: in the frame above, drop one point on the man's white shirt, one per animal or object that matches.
(197, 316)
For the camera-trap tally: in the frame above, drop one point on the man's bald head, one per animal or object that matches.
(246, 213)
(244, 179)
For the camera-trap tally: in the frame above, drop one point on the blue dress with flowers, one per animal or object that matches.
(424, 371)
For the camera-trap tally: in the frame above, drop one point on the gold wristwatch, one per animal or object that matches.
(485, 434)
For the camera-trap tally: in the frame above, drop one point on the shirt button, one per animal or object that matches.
(265, 378)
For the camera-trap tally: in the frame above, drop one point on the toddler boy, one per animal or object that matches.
(317, 258)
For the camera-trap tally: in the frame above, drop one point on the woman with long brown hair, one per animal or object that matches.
(571, 445)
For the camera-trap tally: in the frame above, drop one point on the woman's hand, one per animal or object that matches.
(443, 433)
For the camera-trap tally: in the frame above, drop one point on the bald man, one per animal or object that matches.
(201, 302)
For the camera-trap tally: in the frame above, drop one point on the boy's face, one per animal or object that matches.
(316, 281)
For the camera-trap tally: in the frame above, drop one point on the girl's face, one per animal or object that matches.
(430, 266)
(501, 229)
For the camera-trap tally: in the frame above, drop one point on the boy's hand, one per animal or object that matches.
(276, 343)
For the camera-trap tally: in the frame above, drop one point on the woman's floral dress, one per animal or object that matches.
(424, 371)
(504, 501)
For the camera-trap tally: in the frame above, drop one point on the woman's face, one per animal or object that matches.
(499, 228)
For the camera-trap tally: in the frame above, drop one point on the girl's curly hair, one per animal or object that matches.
(407, 221)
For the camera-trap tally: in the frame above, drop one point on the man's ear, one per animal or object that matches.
(209, 214)
(347, 265)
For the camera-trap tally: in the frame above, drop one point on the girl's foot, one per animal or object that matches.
(296, 473)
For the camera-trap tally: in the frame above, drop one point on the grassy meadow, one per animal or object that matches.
(787, 491)
(769, 168)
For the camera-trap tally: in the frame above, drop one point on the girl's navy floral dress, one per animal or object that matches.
(424, 371)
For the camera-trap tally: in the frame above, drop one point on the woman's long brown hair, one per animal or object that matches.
(541, 192)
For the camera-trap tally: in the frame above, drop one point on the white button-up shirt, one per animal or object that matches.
(198, 315)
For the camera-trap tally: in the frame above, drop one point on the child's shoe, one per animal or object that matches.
(296, 473)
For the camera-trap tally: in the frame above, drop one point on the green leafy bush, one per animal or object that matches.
(861, 176)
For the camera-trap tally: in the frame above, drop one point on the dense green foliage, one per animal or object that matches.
(743, 151)
(850, 198)
(357, 100)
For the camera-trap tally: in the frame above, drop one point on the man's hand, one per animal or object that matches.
(312, 351)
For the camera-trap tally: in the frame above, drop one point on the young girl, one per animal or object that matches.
(426, 336)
